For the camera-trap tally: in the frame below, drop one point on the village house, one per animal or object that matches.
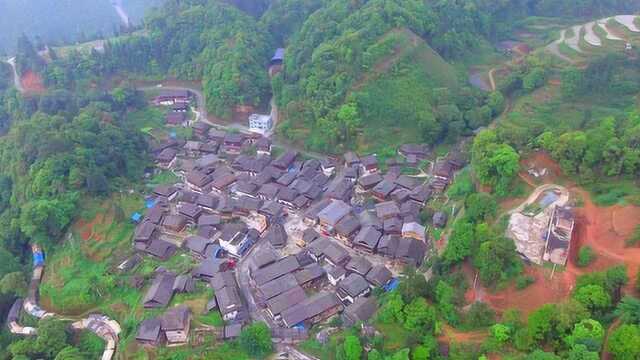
(260, 123)
(175, 118)
(332, 214)
(359, 265)
(201, 129)
(263, 146)
(382, 190)
(285, 301)
(171, 97)
(191, 211)
(368, 218)
(276, 236)
(271, 272)
(369, 164)
(232, 331)
(175, 324)
(419, 151)
(559, 235)
(197, 245)
(388, 245)
(379, 276)
(328, 167)
(414, 230)
(310, 275)
(277, 286)
(368, 182)
(351, 174)
(352, 287)
(335, 254)
(311, 215)
(161, 290)
(264, 257)
(367, 240)
(234, 239)
(347, 228)
(439, 219)
(359, 312)
(411, 252)
(387, 210)
(166, 159)
(312, 310)
(161, 249)
(229, 302)
(392, 226)
(335, 274)
(184, 284)
(284, 161)
(165, 192)
(351, 159)
(207, 202)
(149, 332)
(342, 191)
(199, 181)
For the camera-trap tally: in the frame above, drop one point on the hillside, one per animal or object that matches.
(65, 20)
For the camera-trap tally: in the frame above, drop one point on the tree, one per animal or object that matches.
(480, 207)
(374, 355)
(624, 342)
(256, 340)
(391, 309)
(445, 298)
(70, 353)
(594, 297)
(580, 352)
(52, 337)
(14, 283)
(540, 322)
(459, 244)
(629, 310)
(587, 332)
(420, 318)
(501, 332)
(541, 355)
(585, 256)
(495, 163)
(352, 348)
(413, 285)
(479, 315)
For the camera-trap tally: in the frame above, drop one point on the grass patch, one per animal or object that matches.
(396, 337)
(614, 192)
(148, 119)
(164, 177)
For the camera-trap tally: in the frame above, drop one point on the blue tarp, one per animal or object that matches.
(173, 135)
(136, 217)
(38, 258)
(149, 203)
(392, 285)
(299, 326)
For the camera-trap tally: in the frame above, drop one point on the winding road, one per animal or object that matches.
(104, 327)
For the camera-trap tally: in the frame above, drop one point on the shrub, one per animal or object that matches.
(523, 281)
(634, 239)
(585, 256)
(479, 315)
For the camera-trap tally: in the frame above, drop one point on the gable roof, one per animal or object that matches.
(270, 272)
(160, 291)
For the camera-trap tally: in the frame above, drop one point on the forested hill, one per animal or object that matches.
(354, 70)
(64, 20)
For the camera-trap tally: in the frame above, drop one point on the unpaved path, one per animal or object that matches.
(16, 76)
(554, 47)
(104, 327)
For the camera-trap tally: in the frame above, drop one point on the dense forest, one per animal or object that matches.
(60, 148)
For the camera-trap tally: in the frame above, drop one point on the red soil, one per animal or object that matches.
(87, 228)
(31, 82)
(604, 229)
(544, 290)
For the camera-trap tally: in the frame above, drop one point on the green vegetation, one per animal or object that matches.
(255, 339)
(52, 342)
(585, 256)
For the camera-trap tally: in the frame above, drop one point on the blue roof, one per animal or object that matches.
(136, 217)
(38, 259)
(392, 285)
(149, 203)
(279, 55)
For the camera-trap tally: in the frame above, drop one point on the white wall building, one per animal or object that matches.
(260, 123)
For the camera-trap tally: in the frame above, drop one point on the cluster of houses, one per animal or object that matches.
(234, 194)
(178, 103)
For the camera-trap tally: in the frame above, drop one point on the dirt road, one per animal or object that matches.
(16, 77)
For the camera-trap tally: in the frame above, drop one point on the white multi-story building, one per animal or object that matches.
(260, 123)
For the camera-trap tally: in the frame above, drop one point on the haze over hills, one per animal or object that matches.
(64, 20)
